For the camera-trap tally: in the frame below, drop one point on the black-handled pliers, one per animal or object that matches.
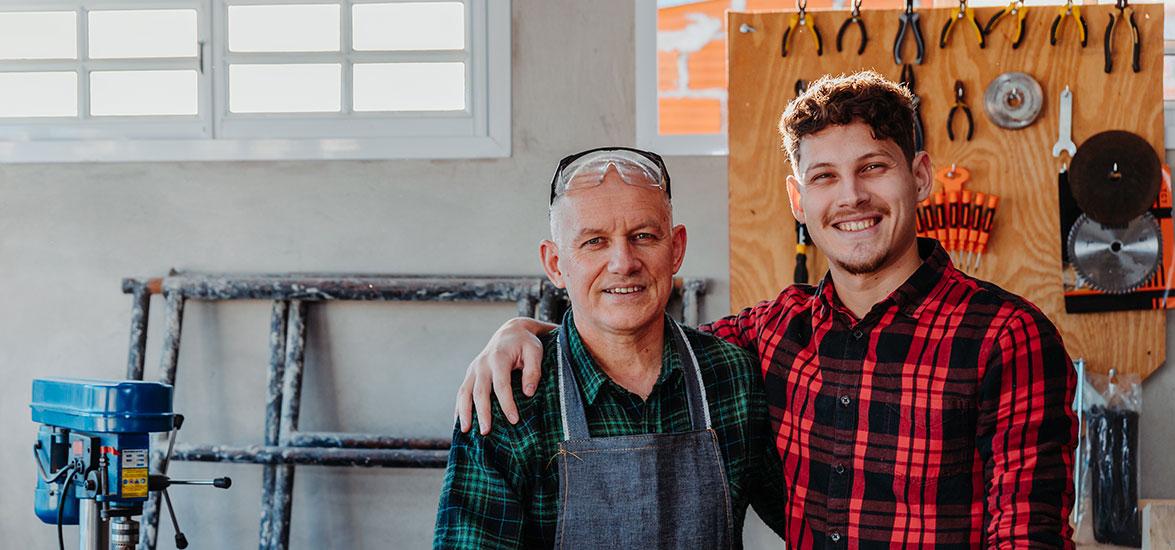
(908, 19)
(1136, 45)
(854, 18)
(960, 105)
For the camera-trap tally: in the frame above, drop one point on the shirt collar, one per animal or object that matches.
(592, 379)
(910, 295)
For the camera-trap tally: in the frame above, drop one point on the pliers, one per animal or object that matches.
(854, 17)
(908, 81)
(960, 105)
(908, 19)
(1069, 10)
(1015, 9)
(959, 13)
(1123, 6)
(801, 19)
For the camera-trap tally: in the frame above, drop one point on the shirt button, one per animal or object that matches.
(834, 536)
(840, 468)
(858, 334)
(845, 400)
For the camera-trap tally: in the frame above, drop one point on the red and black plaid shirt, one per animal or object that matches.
(940, 420)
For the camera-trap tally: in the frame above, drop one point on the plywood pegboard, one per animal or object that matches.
(1024, 255)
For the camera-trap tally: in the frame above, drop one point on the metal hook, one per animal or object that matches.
(951, 172)
(745, 28)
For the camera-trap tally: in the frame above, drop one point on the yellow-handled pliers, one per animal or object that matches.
(1016, 10)
(958, 14)
(1069, 10)
(802, 19)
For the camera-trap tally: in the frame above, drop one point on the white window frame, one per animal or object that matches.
(648, 135)
(482, 130)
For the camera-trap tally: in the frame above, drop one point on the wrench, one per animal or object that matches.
(1065, 132)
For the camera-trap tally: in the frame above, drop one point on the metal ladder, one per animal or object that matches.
(284, 446)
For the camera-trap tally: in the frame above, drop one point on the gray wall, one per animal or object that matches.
(69, 233)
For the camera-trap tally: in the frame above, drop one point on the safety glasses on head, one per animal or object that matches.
(587, 169)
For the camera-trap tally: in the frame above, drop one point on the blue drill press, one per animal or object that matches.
(93, 457)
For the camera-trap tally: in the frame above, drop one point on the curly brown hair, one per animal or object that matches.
(886, 106)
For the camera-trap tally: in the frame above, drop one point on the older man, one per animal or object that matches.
(912, 405)
(646, 434)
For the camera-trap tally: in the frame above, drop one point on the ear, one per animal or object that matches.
(549, 256)
(794, 197)
(923, 172)
(679, 239)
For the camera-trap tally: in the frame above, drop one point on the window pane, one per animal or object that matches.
(131, 93)
(302, 28)
(303, 88)
(38, 94)
(38, 35)
(409, 26)
(409, 86)
(142, 33)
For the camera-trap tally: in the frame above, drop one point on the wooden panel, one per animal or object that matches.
(1024, 255)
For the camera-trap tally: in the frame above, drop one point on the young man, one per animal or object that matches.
(645, 434)
(912, 405)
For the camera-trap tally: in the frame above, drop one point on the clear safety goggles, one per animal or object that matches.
(587, 169)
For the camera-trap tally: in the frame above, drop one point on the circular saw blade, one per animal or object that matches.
(1013, 100)
(1115, 177)
(1112, 259)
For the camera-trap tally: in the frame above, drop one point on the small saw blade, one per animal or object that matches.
(1013, 100)
(1112, 259)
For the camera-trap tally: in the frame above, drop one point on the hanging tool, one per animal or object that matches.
(1065, 126)
(964, 224)
(960, 13)
(1015, 10)
(938, 212)
(909, 20)
(1136, 45)
(1115, 177)
(974, 227)
(1066, 11)
(960, 104)
(854, 18)
(803, 239)
(1013, 100)
(985, 228)
(798, 20)
(1115, 259)
(908, 81)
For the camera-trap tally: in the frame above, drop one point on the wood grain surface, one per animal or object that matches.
(1024, 255)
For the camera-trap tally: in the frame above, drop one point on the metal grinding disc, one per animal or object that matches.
(1115, 259)
(1115, 177)
(1013, 100)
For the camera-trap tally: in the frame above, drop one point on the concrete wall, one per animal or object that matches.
(69, 233)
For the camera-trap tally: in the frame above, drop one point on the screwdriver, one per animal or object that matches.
(920, 219)
(975, 225)
(964, 223)
(940, 218)
(952, 222)
(985, 229)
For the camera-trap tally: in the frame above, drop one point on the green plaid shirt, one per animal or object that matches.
(501, 489)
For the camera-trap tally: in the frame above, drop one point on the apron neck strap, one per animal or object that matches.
(571, 406)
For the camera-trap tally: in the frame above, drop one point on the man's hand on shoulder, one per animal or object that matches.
(515, 345)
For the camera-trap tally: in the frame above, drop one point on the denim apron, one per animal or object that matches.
(641, 491)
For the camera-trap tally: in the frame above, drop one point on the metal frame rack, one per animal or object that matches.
(284, 446)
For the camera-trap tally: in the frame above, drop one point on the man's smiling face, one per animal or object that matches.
(857, 195)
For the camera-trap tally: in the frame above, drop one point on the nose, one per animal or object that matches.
(851, 192)
(623, 260)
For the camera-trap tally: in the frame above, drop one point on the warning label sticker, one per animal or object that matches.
(134, 458)
(134, 482)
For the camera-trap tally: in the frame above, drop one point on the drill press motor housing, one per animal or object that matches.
(93, 451)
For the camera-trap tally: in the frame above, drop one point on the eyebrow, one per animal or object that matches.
(874, 153)
(643, 226)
